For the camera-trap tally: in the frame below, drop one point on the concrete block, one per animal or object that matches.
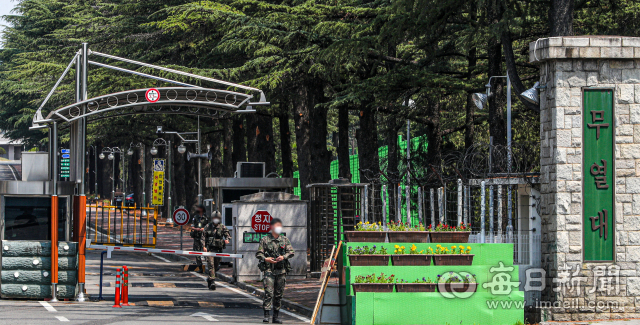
(636, 90)
(631, 41)
(611, 52)
(551, 41)
(37, 277)
(575, 41)
(590, 65)
(590, 52)
(632, 223)
(564, 65)
(592, 79)
(608, 74)
(625, 94)
(35, 291)
(605, 41)
(631, 75)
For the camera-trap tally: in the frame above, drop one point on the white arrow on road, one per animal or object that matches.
(205, 316)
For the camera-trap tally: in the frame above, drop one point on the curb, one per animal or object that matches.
(289, 305)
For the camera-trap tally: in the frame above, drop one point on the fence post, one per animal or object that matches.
(509, 215)
(408, 193)
(482, 211)
(459, 202)
(383, 194)
(420, 205)
(500, 212)
(365, 203)
(399, 207)
(433, 210)
(440, 214)
(491, 235)
(466, 205)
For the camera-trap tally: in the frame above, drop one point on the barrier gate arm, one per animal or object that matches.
(158, 250)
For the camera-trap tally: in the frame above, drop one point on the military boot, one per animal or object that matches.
(275, 317)
(211, 284)
(266, 316)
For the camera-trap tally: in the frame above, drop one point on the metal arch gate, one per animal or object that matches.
(186, 99)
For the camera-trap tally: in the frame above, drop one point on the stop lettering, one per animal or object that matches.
(260, 222)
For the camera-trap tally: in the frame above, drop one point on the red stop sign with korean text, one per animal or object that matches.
(260, 222)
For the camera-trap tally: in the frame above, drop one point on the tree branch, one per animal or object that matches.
(516, 82)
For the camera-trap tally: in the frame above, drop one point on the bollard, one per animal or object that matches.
(125, 286)
(116, 303)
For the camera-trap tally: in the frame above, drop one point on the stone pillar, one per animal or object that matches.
(570, 66)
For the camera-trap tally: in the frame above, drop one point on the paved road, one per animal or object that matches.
(160, 291)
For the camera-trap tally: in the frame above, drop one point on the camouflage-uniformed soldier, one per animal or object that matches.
(199, 220)
(216, 237)
(274, 252)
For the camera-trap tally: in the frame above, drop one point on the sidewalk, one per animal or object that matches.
(300, 295)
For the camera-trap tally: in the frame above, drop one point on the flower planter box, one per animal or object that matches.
(373, 287)
(453, 259)
(365, 236)
(416, 287)
(457, 287)
(450, 236)
(408, 236)
(369, 260)
(411, 259)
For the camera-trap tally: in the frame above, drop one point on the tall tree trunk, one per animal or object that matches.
(239, 149)
(367, 136)
(227, 160)
(470, 106)
(393, 177)
(285, 143)
(497, 125)
(260, 145)
(561, 18)
(434, 138)
(215, 140)
(311, 134)
(344, 168)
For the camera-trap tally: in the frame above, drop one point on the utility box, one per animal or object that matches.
(284, 206)
(35, 166)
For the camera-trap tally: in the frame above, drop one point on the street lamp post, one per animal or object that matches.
(95, 169)
(144, 166)
(160, 142)
(111, 157)
(480, 100)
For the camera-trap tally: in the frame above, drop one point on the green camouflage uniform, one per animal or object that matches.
(198, 236)
(274, 274)
(215, 235)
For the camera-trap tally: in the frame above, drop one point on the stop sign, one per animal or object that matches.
(260, 222)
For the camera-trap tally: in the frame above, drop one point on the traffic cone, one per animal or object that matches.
(125, 286)
(117, 299)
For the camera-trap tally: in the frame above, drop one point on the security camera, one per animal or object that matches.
(159, 130)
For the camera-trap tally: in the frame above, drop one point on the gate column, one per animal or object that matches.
(590, 175)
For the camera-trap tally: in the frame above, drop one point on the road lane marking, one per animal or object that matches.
(62, 318)
(306, 320)
(47, 306)
(160, 257)
(206, 316)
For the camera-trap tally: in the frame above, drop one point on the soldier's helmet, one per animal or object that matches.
(216, 214)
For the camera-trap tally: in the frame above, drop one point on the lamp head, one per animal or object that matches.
(111, 156)
(130, 152)
(154, 151)
(101, 155)
(480, 100)
(531, 95)
(182, 149)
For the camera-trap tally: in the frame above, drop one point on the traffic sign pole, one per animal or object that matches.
(180, 217)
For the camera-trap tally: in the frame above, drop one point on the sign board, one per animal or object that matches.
(254, 237)
(181, 216)
(598, 175)
(65, 163)
(157, 189)
(152, 95)
(260, 222)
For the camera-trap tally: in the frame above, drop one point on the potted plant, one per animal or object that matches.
(365, 256)
(457, 255)
(366, 233)
(404, 233)
(454, 282)
(443, 233)
(424, 285)
(413, 257)
(371, 283)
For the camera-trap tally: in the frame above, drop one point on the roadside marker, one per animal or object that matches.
(125, 286)
(116, 303)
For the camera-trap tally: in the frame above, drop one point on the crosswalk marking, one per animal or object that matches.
(62, 318)
(47, 306)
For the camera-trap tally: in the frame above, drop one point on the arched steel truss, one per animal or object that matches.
(173, 100)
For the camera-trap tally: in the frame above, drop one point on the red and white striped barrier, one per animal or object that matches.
(158, 250)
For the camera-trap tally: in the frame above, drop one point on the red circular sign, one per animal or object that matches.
(181, 216)
(261, 220)
(152, 95)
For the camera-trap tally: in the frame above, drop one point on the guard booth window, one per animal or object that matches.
(27, 218)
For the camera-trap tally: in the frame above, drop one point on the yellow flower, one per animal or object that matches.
(397, 246)
(413, 247)
(469, 247)
(402, 247)
(438, 246)
(421, 251)
(453, 247)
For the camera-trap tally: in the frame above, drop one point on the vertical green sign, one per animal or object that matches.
(598, 171)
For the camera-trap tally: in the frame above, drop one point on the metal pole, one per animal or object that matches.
(420, 205)
(144, 174)
(82, 123)
(124, 180)
(433, 210)
(440, 212)
(383, 195)
(81, 223)
(408, 189)
(54, 157)
(466, 205)
(500, 212)
(180, 237)
(169, 168)
(459, 202)
(399, 208)
(491, 235)
(365, 203)
(113, 181)
(101, 270)
(509, 201)
(199, 167)
(95, 168)
(482, 211)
